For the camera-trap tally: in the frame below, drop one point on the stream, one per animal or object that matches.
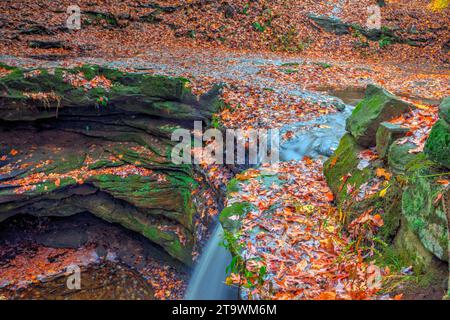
(315, 138)
(208, 279)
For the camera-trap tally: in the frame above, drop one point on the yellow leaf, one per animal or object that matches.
(383, 192)
(249, 174)
(437, 5)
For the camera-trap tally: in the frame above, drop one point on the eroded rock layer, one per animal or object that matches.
(98, 140)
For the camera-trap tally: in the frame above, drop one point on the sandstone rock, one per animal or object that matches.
(93, 139)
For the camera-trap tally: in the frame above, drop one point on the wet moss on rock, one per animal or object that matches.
(399, 156)
(378, 106)
(426, 217)
(344, 162)
(437, 146)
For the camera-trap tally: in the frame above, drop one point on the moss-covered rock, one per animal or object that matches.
(378, 106)
(341, 168)
(66, 90)
(399, 156)
(387, 133)
(425, 212)
(411, 250)
(437, 146)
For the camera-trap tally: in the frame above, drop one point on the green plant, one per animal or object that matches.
(384, 41)
(249, 278)
(245, 9)
(323, 64)
(215, 122)
(258, 27)
(101, 101)
(289, 71)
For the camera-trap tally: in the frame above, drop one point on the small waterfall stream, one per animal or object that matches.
(317, 137)
(208, 280)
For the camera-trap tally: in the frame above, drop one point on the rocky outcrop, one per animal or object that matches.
(98, 140)
(411, 37)
(413, 199)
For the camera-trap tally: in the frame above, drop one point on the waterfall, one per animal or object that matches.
(208, 279)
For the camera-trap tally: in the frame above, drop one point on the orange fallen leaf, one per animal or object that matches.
(327, 296)
(13, 152)
(330, 196)
(249, 174)
(381, 172)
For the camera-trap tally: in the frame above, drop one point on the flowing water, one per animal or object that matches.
(208, 280)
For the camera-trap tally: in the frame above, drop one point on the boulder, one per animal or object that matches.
(437, 146)
(408, 247)
(341, 168)
(331, 24)
(387, 133)
(424, 209)
(399, 156)
(378, 106)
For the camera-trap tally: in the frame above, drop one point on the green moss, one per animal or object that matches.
(391, 206)
(437, 146)
(343, 162)
(410, 250)
(49, 186)
(444, 110)
(377, 106)
(426, 218)
(105, 164)
(290, 64)
(387, 133)
(231, 216)
(399, 157)
(66, 163)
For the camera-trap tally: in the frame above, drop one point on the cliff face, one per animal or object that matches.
(98, 140)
